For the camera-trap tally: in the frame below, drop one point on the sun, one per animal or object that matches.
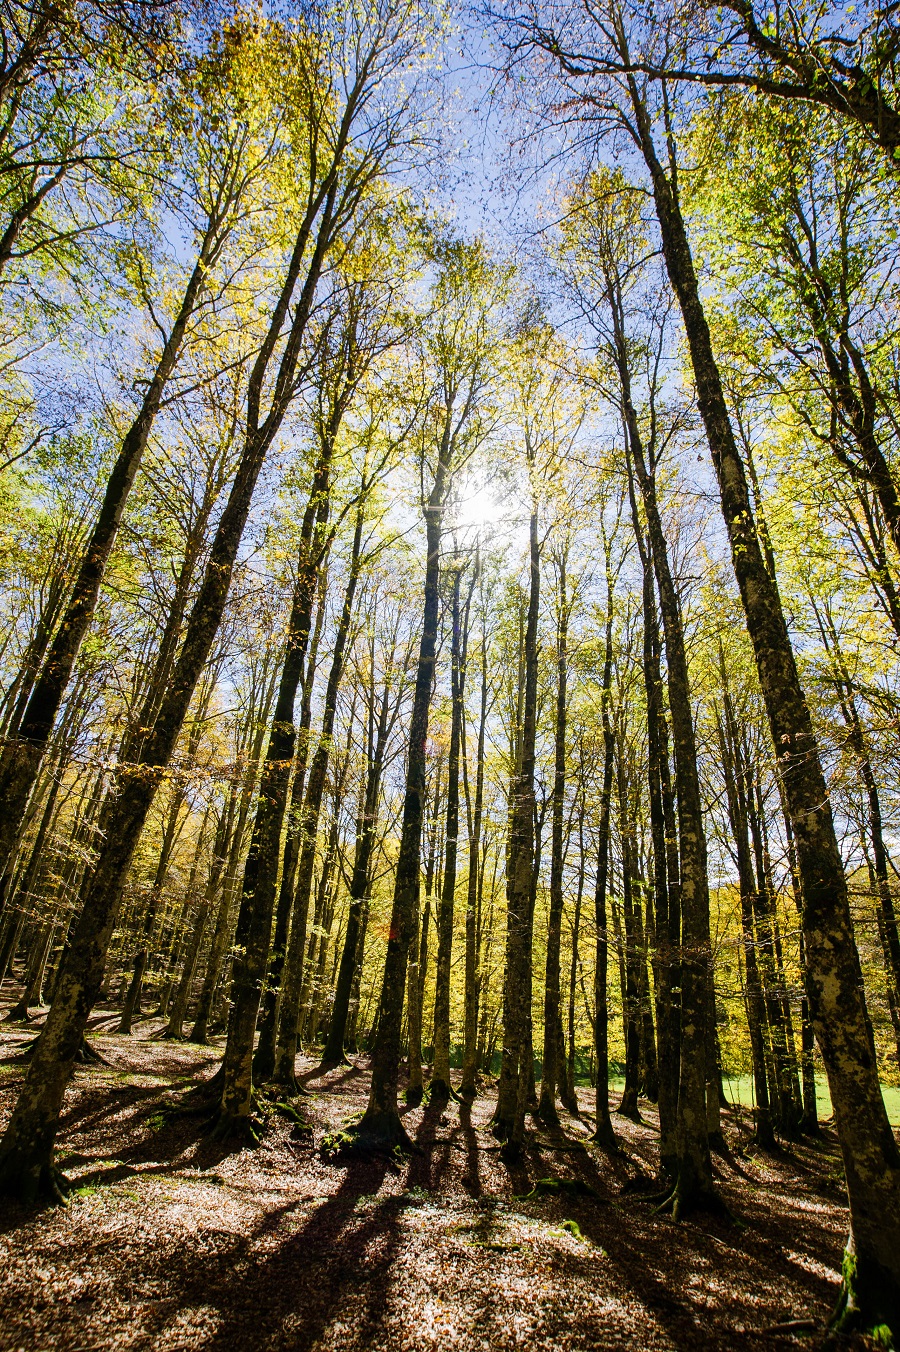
(482, 507)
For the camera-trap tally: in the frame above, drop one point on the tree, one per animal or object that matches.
(357, 150)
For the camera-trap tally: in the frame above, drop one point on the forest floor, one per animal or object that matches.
(172, 1241)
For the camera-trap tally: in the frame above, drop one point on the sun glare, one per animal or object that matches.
(483, 507)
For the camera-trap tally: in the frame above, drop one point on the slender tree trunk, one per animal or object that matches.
(468, 1088)
(381, 1123)
(604, 1135)
(22, 756)
(567, 1092)
(359, 890)
(253, 934)
(509, 1116)
(26, 1151)
(666, 914)
(267, 1023)
(292, 980)
(694, 1182)
(132, 1005)
(756, 1011)
(552, 1064)
(628, 1106)
(418, 961)
(440, 1087)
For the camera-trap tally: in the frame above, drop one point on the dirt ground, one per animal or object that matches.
(173, 1242)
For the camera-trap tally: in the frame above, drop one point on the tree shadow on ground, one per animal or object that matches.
(337, 1261)
(656, 1259)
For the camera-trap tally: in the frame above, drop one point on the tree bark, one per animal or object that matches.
(381, 1125)
(440, 1087)
(552, 1053)
(26, 1151)
(292, 979)
(22, 756)
(515, 1073)
(871, 1287)
(468, 1087)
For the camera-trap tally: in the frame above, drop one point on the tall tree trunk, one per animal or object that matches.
(418, 960)
(871, 1286)
(694, 1182)
(253, 934)
(475, 810)
(23, 755)
(666, 911)
(604, 1135)
(292, 979)
(267, 1021)
(360, 880)
(132, 1005)
(381, 1122)
(515, 1072)
(26, 1151)
(552, 1054)
(628, 1107)
(756, 1010)
(567, 1091)
(440, 1088)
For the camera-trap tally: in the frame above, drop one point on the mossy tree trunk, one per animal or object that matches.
(509, 1116)
(440, 1087)
(552, 1059)
(870, 1153)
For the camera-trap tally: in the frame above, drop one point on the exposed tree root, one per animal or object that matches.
(85, 1056)
(681, 1203)
(285, 1086)
(439, 1094)
(89, 1056)
(325, 1066)
(547, 1114)
(512, 1151)
(242, 1129)
(606, 1139)
(869, 1302)
(33, 1182)
(376, 1133)
(553, 1187)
